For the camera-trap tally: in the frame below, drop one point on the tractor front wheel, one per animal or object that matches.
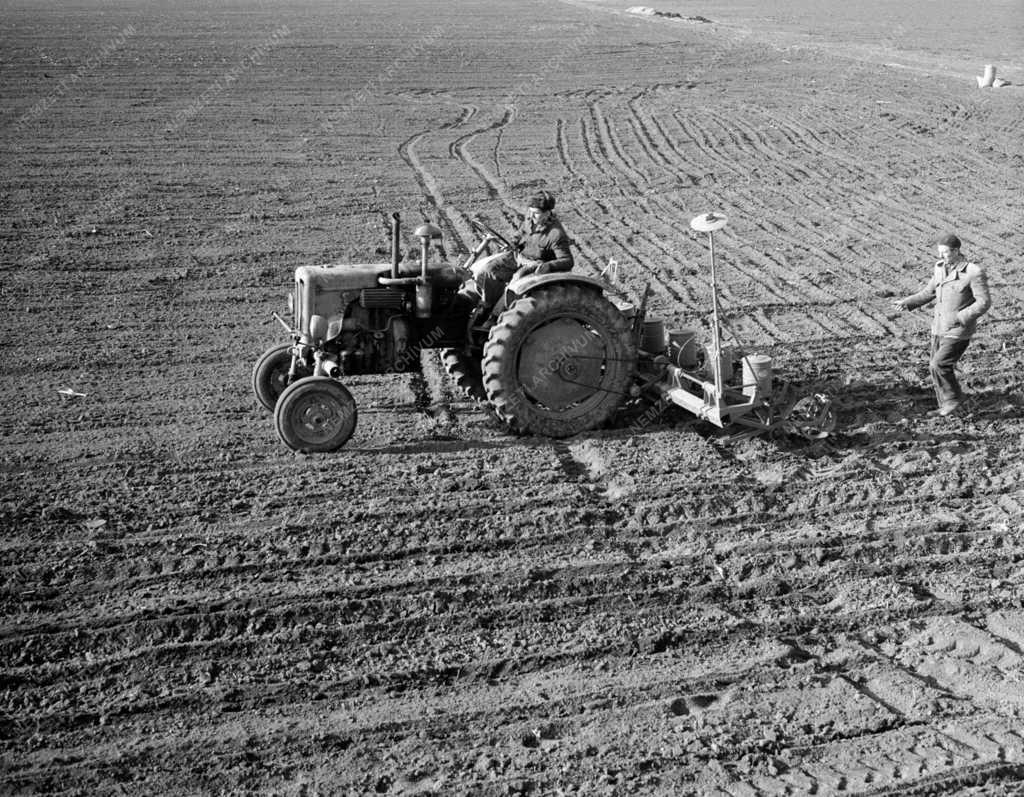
(270, 374)
(559, 361)
(315, 414)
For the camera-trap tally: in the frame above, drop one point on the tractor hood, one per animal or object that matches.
(327, 290)
(341, 277)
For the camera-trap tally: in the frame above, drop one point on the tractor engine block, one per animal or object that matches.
(376, 338)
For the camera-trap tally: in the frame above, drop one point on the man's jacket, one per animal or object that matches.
(548, 243)
(961, 298)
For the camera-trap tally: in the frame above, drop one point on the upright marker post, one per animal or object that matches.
(709, 222)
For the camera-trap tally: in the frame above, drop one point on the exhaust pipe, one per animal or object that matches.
(396, 224)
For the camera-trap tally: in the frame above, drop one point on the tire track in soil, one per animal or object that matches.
(623, 641)
(223, 629)
(448, 674)
(909, 755)
(458, 229)
(138, 564)
(206, 567)
(456, 226)
(642, 127)
(729, 147)
(979, 662)
(598, 141)
(427, 184)
(816, 184)
(385, 716)
(982, 742)
(710, 144)
(901, 762)
(881, 207)
(609, 145)
(320, 551)
(692, 508)
(562, 148)
(459, 148)
(667, 202)
(591, 222)
(824, 142)
(494, 185)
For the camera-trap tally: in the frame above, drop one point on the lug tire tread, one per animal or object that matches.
(465, 373)
(507, 336)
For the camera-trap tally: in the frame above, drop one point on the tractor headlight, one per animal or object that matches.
(334, 326)
(318, 328)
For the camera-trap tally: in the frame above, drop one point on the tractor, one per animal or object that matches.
(556, 355)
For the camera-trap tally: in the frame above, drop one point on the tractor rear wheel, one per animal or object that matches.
(315, 414)
(270, 374)
(465, 372)
(559, 361)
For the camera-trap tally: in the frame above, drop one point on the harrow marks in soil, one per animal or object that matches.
(614, 611)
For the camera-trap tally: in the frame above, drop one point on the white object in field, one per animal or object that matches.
(709, 222)
(67, 391)
(647, 11)
(998, 83)
(757, 375)
(986, 80)
(611, 271)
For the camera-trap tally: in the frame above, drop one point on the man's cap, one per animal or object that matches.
(949, 240)
(542, 200)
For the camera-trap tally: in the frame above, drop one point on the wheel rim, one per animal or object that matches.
(318, 417)
(270, 375)
(278, 377)
(562, 364)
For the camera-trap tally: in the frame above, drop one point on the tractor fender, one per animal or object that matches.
(524, 285)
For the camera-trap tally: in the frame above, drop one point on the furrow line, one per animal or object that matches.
(609, 146)
(463, 608)
(459, 149)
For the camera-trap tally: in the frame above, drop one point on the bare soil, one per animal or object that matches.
(188, 607)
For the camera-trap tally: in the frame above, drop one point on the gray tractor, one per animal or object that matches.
(555, 356)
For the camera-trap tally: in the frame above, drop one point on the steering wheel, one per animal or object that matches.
(486, 231)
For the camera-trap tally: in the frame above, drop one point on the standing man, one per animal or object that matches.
(960, 291)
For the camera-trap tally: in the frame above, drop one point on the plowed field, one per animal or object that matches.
(440, 608)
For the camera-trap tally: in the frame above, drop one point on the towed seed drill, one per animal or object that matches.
(555, 356)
